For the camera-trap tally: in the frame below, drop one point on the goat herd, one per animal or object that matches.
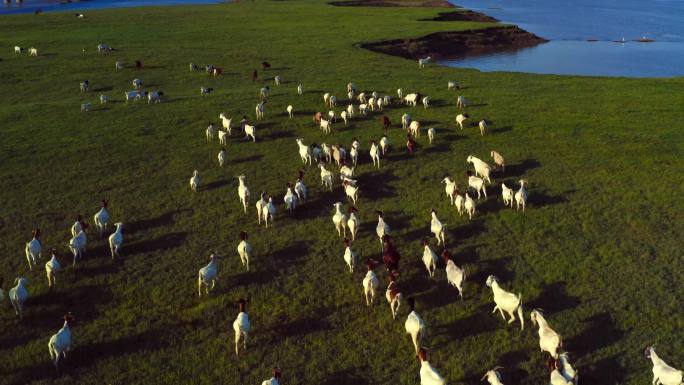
(359, 105)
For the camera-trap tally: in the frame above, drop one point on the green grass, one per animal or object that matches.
(598, 247)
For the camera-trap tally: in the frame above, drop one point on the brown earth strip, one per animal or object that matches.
(394, 3)
(465, 15)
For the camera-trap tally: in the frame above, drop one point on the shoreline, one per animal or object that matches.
(448, 44)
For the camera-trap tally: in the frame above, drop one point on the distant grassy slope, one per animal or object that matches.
(599, 247)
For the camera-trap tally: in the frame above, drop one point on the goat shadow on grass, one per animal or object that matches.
(286, 257)
(252, 277)
(554, 299)
(216, 184)
(102, 89)
(543, 199)
(163, 220)
(497, 267)
(607, 371)
(301, 326)
(321, 205)
(280, 135)
(437, 148)
(376, 185)
(499, 130)
(478, 322)
(345, 377)
(165, 242)
(462, 233)
(440, 294)
(250, 158)
(519, 169)
(53, 306)
(601, 332)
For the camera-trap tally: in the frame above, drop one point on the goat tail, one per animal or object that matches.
(520, 312)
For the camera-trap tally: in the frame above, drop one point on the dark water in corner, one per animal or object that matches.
(30, 6)
(570, 24)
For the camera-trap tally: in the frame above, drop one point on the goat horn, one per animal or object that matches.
(483, 377)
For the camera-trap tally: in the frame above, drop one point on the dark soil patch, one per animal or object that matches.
(465, 15)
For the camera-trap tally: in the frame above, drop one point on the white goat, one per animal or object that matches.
(428, 374)
(455, 275)
(382, 228)
(222, 157)
(431, 134)
(350, 256)
(422, 62)
(370, 284)
(478, 184)
(77, 244)
(103, 99)
(244, 250)
(326, 177)
(483, 126)
(549, 340)
(250, 132)
(226, 122)
(375, 154)
(481, 167)
(384, 146)
(304, 151)
(405, 121)
(521, 196)
(351, 111)
(429, 258)
(498, 160)
(210, 132)
(52, 267)
(362, 97)
(277, 80)
(663, 373)
(394, 296)
(468, 206)
(34, 249)
(18, 295)
(290, 199)
(353, 223)
(137, 84)
(461, 102)
(450, 188)
(459, 202)
(414, 325)
(351, 191)
(411, 99)
(300, 188)
(414, 129)
(85, 107)
(452, 86)
(505, 301)
(260, 205)
(290, 111)
(332, 101)
(326, 125)
(400, 93)
(241, 326)
(243, 192)
(116, 240)
(493, 376)
(507, 194)
(426, 102)
(460, 119)
(60, 343)
(437, 228)
(260, 110)
(194, 181)
(339, 220)
(300, 89)
(207, 276)
(345, 117)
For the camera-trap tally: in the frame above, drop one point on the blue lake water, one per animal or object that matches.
(30, 6)
(569, 26)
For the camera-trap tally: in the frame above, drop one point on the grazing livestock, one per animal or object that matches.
(351, 111)
(410, 144)
(260, 109)
(118, 65)
(450, 188)
(483, 126)
(77, 226)
(481, 168)
(77, 244)
(507, 194)
(353, 222)
(207, 276)
(104, 48)
(243, 192)
(154, 97)
(260, 206)
(393, 295)
(193, 67)
(521, 196)
(290, 110)
(428, 374)
(412, 99)
(116, 240)
(137, 84)
(85, 107)
(405, 121)
(206, 90)
(452, 86)
(103, 99)
(414, 325)
(52, 267)
(339, 220)
(18, 49)
(663, 373)
(437, 228)
(221, 157)
(216, 71)
(498, 160)
(422, 62)
(505, 301)
(460, 119)
(350, 256)
(250, 132)
(354, 154)
(363, 109)
(478, 184)
(300, 188)
(431, 134)
(195, 181)
(244, 249)
(226, 122)
(275, 380)
(33, 51)
(390, 255)
(426, 102)
(362, 98)
(351, 191)
(414, 128)
(400, 94)
(241, 326)
(350, 95)
(557, 377)
(370, 283)
(304, 151)
(382, 227)
(493, 376)
(459, 202)
(461, 102)
(326, 177)
(290, 199)
(549, 340)
(326, 125)
(345, 117)
(455, 275)
(300, 89)
(429, 258)
(133, 95)
(263, 93)
(277, 80)
(468, 206)
(60, 343)
(332, 101)
(375, 153)
(332, 116)
(18, 295)
(211, 131)
(384, 146)
(34, 249)
(566, 369)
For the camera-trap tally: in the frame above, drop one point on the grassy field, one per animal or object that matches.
(598, 248)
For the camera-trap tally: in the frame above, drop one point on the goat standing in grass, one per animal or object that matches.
(429, 258)
(244, 249)
(437, 228)
(393, 295)
(505, 301)
(521, 196)
(34, 249)
(241, 326)
(60, 343)
(549, 340)
(207, 277)
(101, 218)
(370, 283)
(243, 192)
(428, 374)
(52, 267)
(18, 295)
(339, 220)
(414, 325)
(663, 373)
(455, 275)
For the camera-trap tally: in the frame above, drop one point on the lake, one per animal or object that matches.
(570, 25)
(30, 6)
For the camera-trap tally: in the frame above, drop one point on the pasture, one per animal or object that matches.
(597, 248)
